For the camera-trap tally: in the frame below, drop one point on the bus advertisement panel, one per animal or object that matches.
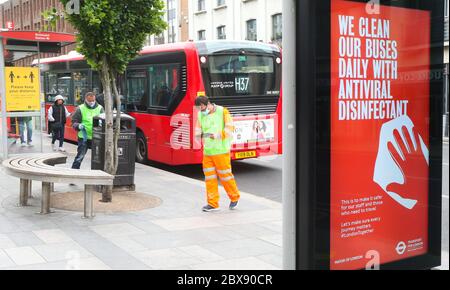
(379, 134)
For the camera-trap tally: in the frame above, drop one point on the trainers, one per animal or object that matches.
(30, 144)
(233, 205)
(62, 149)
(55, 148)
(209, 208)
(23, 145)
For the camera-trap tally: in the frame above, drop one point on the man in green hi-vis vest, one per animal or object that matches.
(215, 127)
(83, 121)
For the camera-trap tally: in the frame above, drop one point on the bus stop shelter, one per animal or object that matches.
(20, 88)
(362, 170)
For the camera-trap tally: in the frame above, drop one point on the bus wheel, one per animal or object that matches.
(141, 148)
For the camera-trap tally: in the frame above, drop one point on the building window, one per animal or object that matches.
(277, 28)
(202, 35)
(221, 32)
(251, 30)
(201, 5)
(220, 2)
(172, 20)
(148, 41)
(159, 39)
(172, 34)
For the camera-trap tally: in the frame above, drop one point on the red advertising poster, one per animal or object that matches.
(380, 74)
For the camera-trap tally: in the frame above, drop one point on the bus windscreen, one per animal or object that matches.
(241, 75)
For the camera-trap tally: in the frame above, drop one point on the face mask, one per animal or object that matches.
(91, 104)
(206, 112)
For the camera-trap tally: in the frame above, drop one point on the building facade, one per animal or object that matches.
(255, 20)
(176, 16)
(27, 15)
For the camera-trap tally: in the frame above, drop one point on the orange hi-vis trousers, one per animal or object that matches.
(219, 168)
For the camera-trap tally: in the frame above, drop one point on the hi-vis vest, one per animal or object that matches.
(214, 124)
(87, 117)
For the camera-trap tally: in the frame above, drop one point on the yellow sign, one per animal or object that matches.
(22, 89)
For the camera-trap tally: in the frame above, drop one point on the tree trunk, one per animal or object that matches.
(117, 121)
(109, 142)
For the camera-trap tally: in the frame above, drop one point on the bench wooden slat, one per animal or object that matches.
(30, 166)
(89, 173)
(37, 167)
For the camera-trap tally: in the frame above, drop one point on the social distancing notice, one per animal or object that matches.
(22, 89)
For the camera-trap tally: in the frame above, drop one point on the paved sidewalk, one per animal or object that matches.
(175, 235)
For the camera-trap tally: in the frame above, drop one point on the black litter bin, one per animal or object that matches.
(126, 147)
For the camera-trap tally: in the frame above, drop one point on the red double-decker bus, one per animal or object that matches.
(160, 86)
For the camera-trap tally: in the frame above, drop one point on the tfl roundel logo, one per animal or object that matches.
(401, 248)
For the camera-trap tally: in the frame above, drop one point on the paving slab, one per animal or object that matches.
(174, 235)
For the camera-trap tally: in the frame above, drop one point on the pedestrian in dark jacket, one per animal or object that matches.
(57, 117)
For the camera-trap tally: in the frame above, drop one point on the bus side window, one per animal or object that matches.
(80, 86)
(137, 95)
(164, 84)
(50, 86)
(64, 86)
(97, 88)
(96, 83)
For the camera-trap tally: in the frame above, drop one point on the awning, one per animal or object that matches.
(19, 44)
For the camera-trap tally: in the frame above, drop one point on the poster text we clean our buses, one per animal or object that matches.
(367, 65)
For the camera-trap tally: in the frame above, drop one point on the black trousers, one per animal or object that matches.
(58, 134)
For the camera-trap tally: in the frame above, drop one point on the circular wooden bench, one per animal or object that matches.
(41, 167)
